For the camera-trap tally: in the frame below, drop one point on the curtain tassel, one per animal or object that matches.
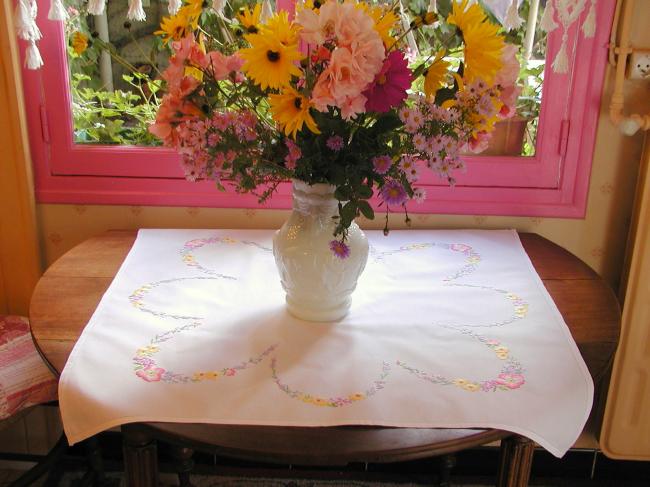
(136, 12)
(589, 25)
(548, 23)
(513, 20)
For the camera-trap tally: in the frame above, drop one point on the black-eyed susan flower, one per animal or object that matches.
(279, 27)
(434, 76)
(175, 28)
(483, 45)
(79, 42)
(291, 110)
(268, 62)
(250, 19)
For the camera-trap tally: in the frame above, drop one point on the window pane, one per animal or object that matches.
(114, 97)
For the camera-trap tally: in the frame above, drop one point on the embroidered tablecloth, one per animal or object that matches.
(447, 329)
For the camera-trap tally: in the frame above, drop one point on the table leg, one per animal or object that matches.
(183, 464)
(516, 461)
(140, 457)
(447, 463)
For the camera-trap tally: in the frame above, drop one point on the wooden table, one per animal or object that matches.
(70, 290)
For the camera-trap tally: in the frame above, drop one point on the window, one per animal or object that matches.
(553, 181)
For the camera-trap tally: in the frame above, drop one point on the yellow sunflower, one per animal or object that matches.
(79, 43)
(434, 76)
(385, 21)
(461, 16)
(291, 110)
(175, 28)
(193, 8)
(250, 19)
(483, 43)
(280, 27)
(268, 62)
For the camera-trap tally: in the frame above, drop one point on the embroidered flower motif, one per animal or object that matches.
(151, 374)
(511, 381)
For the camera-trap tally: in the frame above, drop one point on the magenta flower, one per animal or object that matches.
(393, 193)
(335, 143)
(382, 164)
(389, 87)
(340, 249)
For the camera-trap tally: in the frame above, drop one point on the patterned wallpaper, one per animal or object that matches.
(599, 239)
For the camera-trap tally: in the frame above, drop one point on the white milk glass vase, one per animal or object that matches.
(317, 282)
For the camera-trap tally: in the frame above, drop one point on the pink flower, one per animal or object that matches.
(382, 164)
(511, 381)
(230, 372)
(389, 87)
(150, 374)
(293, 155)
(335, 143)
(507, 79)
(340, 249)
(393, 193)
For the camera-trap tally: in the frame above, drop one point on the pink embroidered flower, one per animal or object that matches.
(511, 381)
(229, 372)
(340, 249)
(335, 143)
(393, 193)
(389, 86)
(382, 164)
(151, 374)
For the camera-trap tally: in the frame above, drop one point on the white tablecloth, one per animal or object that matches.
(447, 329)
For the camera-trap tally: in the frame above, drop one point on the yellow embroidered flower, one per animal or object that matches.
(175, 28)
(212, 375)
(356, 397)
(268, 62)
(320, 401)
(483, 44)
(250, 19)
(459, 382)
(291, 110)
(434, 76)
(79, 42)
(471, 386)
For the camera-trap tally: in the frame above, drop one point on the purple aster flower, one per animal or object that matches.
(382, 164)
(340, 249)
(335, 143)
(393, 193)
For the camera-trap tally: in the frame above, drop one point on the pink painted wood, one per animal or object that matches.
(548, 184)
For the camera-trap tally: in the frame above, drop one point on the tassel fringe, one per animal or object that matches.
(25, 20)
(173, 6)
(267, 11)
(96, 7)
(513, 20)
(433, 6)
(561, 63)
(589, 25)
(33, 59)
(57, 11)
(136, 12)
(548, 24)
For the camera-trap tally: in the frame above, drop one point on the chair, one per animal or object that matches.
(25, 381)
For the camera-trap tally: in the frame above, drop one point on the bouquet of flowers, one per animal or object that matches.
(331, 93)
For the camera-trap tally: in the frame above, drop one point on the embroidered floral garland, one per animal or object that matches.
(332, 402)
(146, 368)
(510, 377)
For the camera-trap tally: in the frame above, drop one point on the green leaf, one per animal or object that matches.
(364, 192)
(366, 210)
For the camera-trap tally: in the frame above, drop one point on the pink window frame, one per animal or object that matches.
(553, 183)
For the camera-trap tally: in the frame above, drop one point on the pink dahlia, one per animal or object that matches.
(389, 87)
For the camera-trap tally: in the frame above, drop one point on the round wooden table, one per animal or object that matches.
(70, 290)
